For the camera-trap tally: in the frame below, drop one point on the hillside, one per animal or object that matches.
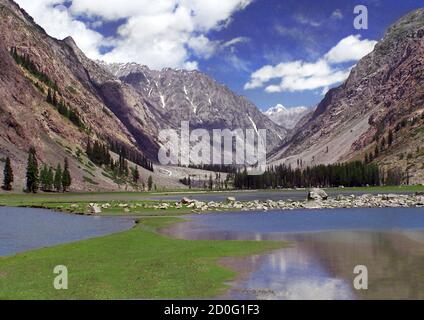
(384, 93)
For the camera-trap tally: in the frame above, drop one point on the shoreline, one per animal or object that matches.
(146, 208)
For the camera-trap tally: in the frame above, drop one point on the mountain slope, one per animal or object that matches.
(26, 119)
(180, 95)
(384, 92)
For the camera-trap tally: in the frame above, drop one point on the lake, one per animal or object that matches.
(23, 229)
(326, 245)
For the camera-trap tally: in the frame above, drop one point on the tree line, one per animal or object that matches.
(47, 179)
(99, 154)
(60, 180)
(130, 154)
(25, 61)
(53, 98)
(53, 94)
(352, 174)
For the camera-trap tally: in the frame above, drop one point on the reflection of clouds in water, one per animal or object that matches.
(292, 274)
(314, 289)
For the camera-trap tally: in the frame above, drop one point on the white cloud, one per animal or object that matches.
(160, 33)
(235, 41)
(58, 22)
(202, 46)
(349, 49)
(337, 14)
(322, 74)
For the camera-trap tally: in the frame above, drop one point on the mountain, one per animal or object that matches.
(383, 95)
(287, 117)
(103, 108)
(180, 95)
(121, 106)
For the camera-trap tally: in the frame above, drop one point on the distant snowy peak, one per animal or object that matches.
(287, 117)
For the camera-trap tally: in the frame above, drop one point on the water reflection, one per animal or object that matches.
(320, 265)
(23, 229)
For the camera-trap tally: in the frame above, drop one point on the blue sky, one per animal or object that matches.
(273, 52)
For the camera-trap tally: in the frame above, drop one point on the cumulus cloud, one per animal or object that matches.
(160, 33)
(322, 74)
(349, 49)
(56, 19)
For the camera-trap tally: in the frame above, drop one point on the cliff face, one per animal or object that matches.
(383, 92)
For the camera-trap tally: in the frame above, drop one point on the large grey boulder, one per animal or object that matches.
(316, 194)
(186, 200)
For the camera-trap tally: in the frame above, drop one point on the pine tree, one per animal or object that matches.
(49, 98)
(390, 138)
(150, 183)
(66, 177)
(383, 143)
(7, 175)
(32, 172)
(50, 179)
(58, 178)
(376, 152)
(43, 178)
(135, 174)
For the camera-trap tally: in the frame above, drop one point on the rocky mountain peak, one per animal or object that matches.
(287, 117)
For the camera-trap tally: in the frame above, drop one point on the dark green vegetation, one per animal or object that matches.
(25, 61)
(53, 97)
(352, 174)
(53, 94)
(7, 175)
(32, 178)
(46, 179)
(136, 264)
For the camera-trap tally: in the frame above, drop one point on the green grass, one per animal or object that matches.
(135, 264)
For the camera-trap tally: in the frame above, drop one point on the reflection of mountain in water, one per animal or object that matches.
(320, 264)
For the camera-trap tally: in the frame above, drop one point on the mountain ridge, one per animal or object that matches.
(384, 89)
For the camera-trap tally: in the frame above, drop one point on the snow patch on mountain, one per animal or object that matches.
(286, 117)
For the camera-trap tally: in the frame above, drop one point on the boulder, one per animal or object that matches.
(186, 200)
(94, 208)
(317, 194)
(231, 199)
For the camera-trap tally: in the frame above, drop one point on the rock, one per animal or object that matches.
(317, 194)
(186, 200)
(231, 199)
(164, 206)
(389, 197)
(419, 193)
(94, 208)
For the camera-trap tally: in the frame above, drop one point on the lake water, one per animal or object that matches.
(23, 229)
(326, 245)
